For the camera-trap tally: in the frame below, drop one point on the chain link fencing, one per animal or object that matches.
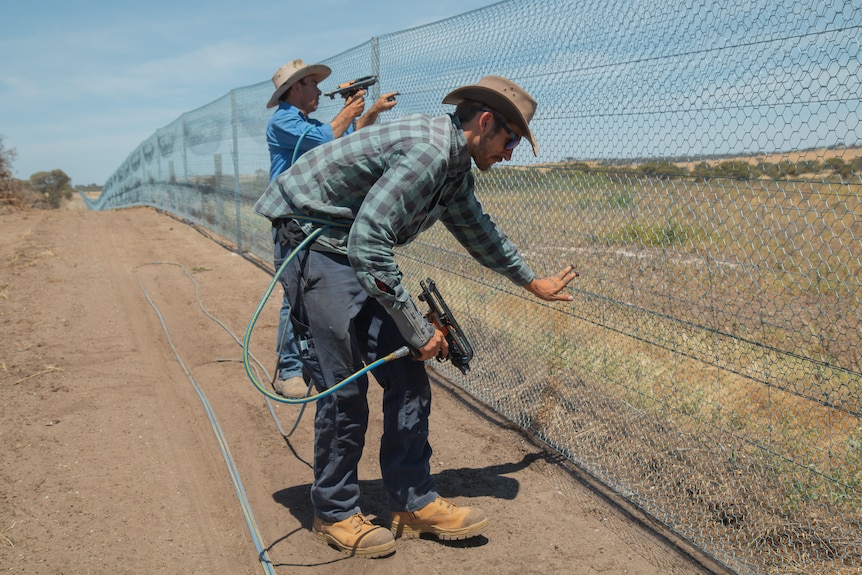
(700, 165)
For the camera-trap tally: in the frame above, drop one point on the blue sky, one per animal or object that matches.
(83, 82)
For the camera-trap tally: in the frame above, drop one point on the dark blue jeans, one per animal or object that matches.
(340, 329)
(288, 364)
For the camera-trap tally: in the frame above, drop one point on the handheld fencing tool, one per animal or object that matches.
(440, 316)
(460, 350)
(348, 89)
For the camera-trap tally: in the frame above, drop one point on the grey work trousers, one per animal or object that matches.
(338, 327)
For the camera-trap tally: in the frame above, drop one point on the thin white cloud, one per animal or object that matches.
(215, 65)
(90, 81)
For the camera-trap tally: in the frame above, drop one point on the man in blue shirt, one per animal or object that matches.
(289, 134)
(382, 187)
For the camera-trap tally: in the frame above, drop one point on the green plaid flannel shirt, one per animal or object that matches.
(392, 181)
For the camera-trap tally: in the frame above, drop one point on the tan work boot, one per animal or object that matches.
(442, 519)
(355, 535)
(294, 387)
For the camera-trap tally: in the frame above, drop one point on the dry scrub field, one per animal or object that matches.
(110, 465)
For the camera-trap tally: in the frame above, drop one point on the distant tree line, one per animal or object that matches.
(42, 190)
(833, 167)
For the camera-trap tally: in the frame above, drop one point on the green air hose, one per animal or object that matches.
(403, 351)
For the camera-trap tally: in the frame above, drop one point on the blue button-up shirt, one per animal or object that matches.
(288, 126)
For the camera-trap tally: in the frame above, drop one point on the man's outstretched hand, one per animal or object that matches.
(549, 288)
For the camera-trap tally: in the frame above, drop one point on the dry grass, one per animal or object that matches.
(713, 377)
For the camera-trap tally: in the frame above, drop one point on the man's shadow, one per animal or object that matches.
(464, 482)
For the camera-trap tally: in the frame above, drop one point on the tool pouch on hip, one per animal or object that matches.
(289, 232)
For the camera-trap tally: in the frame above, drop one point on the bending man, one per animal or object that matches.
(391, 182)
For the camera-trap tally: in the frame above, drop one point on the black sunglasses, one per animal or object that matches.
(514, 139)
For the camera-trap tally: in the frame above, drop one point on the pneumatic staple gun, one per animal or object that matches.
(348, 89)
(460, 350)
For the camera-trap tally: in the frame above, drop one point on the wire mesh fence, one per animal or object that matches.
(700, 165)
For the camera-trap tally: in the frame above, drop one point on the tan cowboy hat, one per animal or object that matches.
(503, 96)
(293, 72)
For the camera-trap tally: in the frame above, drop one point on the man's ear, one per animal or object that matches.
(486, 121)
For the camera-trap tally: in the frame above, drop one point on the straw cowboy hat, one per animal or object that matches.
(293, 72)
(505, 97)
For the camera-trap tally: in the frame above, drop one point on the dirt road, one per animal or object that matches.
(110, 463)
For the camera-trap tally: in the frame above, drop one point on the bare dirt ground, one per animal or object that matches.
(109, 463)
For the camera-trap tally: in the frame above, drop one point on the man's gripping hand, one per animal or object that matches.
(437, 347)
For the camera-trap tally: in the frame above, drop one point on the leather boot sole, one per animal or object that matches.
(368, 552)
(414, 530)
